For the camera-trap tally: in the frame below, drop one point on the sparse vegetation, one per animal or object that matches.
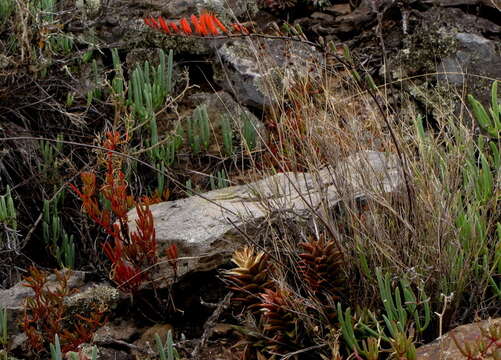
(368, 274)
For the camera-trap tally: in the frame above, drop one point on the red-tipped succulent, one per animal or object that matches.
(131, 253)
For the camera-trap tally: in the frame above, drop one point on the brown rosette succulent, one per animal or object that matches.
(280, 324)
(320, 267)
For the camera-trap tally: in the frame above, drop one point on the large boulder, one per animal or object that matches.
(475, 58)
(258, 71)
(207, 228)
(446, 55)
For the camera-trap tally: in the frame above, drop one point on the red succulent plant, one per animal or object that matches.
(131, 253)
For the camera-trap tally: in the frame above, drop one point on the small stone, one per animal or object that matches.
(338, 9)
(322, 16)
(123, 331)
(445, 348)
(222, 329)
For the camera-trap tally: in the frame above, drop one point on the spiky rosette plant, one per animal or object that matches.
(321, 269)
(280, 324)
(249, 278)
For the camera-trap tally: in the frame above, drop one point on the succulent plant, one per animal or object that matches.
(280, 324)
(249, 278)
(320, 266)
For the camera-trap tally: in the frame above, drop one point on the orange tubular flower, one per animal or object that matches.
(185, 26)
(207, 24)
(219, 24)
(164, 25)
(203, 23)
(211, 25)
(196, 24)
(239, 28)
(154, 23)
(174, 27)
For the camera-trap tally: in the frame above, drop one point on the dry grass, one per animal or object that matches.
(414, 233)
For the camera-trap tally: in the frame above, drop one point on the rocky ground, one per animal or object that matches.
(394, 41)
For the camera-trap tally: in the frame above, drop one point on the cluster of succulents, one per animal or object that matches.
(273, 305)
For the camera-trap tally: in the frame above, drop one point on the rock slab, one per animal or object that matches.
(207, 228)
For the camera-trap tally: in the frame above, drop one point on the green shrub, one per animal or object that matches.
(489, 121)
(249, 134)
(44, 10)
(148, 91)
(405, 314)
(220, 180)
(227, 133)
(61, 44)
(4, 334)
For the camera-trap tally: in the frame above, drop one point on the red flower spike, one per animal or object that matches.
(131, 254)
(172, 255)
(185, 26)
(89, 183)
(206, 24)
(113, 253)
(239, 28)
(113, 137)
(236, 27)
(164, 25)
(127, 277)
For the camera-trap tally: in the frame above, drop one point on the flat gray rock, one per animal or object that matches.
(207, 228)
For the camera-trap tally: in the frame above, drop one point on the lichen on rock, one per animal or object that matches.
(99, 297)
